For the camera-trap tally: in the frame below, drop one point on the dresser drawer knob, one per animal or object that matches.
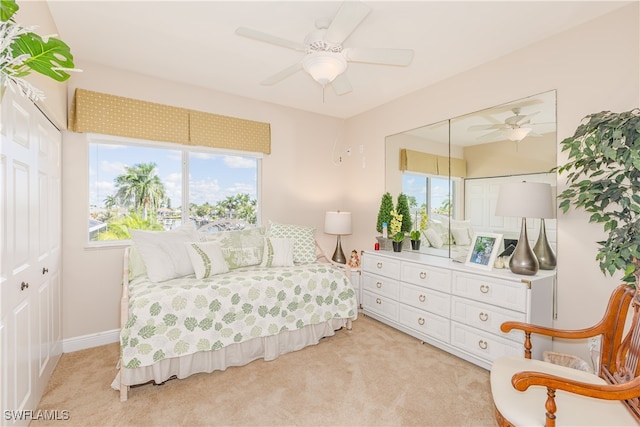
(483, 344)
(484, 288)
(378, 301)
(422, 298)
(378, 285)
(420, 321)
(379, 265)
(423, 275)
(483, 316)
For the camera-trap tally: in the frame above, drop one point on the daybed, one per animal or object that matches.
(197, 302)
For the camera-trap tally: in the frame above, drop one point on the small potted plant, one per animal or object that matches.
(417, 233)
(396, 232)
(415, 240)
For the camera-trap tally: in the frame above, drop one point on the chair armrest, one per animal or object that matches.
(523, 380)
(552, 332)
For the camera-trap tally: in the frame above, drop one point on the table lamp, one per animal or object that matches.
(525, 199)
(338, 223)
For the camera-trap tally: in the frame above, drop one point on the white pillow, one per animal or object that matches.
(206, 258)
(461, 236)
(434, 238)
(163, 252)
(278, 252)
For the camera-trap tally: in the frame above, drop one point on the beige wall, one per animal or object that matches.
(593, 67)
(301, 181)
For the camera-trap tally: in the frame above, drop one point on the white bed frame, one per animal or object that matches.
(267, 348)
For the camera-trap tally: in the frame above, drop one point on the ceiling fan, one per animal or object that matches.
(325, 58)
(514, 128)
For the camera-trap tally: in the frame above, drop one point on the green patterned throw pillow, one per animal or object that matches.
(240, 248)
(206, 258)
(304, 248)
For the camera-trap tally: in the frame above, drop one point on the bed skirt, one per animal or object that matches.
(267, 348)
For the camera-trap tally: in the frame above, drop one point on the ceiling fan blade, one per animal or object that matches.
(486, 127)
(402, 57)
(341, 84)
(268, 38)
(282, 74)
(349, 16)
(490, 136)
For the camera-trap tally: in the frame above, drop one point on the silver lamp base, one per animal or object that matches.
(523, 260)
(338, 255)
(543, 251)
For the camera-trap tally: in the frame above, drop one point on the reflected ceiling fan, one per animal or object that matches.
(514, 128)
(325, 58)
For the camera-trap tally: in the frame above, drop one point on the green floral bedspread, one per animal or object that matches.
(186, 315)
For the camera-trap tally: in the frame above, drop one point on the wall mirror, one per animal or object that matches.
(454, 169)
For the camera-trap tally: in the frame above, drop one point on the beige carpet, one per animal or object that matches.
(371, 376)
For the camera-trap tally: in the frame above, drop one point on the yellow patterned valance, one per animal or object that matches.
(431, 164)
(115, 115)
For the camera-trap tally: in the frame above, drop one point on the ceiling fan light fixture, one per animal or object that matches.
(324, 67)
(517, 134)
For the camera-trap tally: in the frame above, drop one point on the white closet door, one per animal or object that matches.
(30, 244)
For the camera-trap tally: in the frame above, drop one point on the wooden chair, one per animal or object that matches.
(533, 392)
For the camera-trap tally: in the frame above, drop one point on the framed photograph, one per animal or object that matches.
(484, 249)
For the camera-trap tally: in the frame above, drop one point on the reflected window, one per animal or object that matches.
(430, 192)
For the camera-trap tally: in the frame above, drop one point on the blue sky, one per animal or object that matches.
(213, 177)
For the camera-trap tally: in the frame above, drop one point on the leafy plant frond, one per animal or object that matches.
(603, 177)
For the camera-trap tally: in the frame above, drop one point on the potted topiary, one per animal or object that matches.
(603, 177)
(384, 219)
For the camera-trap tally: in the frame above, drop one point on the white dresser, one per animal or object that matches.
(454, 307)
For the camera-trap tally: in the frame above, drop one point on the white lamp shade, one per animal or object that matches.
(517, 134)
(337, 223)
(324, 67)
(526, 200)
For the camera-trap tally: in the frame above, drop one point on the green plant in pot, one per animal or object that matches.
(395, 230)
(603, 177)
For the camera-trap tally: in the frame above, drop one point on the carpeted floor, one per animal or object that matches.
(371, 376)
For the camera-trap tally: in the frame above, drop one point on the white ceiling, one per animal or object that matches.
(194, 42)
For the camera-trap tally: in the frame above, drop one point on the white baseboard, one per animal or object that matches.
(90, 341)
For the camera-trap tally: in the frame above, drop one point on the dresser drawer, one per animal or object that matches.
(424, 322)
(381, 305)
(380, 285)
(486, 317)
(503, 293)
(425, 299)
(483, 344)
(382, 266)
(427, 276)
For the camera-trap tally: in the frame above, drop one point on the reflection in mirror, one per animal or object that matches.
(454, 168)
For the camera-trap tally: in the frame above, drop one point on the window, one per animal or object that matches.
(432, 193)
(159, 186)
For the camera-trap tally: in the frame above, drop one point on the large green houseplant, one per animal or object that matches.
(22, 51)
(603, 177)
